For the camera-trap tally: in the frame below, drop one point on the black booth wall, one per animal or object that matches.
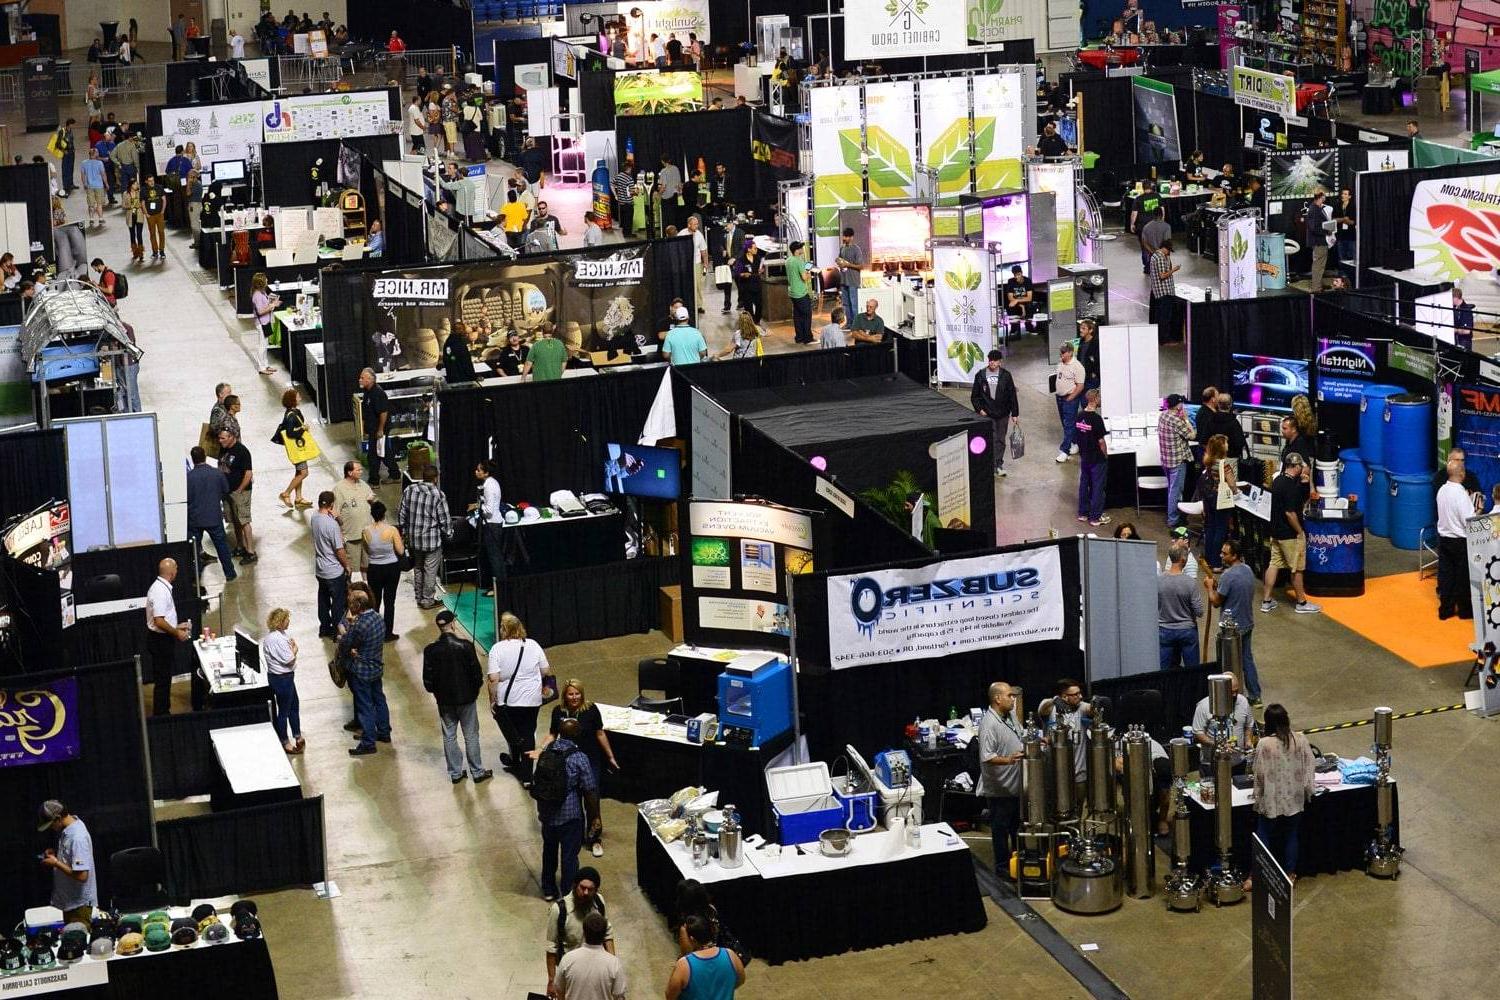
(106, 785)
(404, 221)
(1383, 207)
(286, 166)
(423, 24)
(34, 469)
(596, 95)
(1109, 114)
(28, 182)
(513, 52)
(1279, 326)
(206, 855)
(714, 136)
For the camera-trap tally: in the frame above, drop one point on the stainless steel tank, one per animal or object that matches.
(1088, 883)
(1101, 774)
(1220, 699)
(1140, 853)
(1034, 778)
(1183, 890)
(1231, 652)
(1062, 773)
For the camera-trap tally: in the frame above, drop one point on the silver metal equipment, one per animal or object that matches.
(1033, 861)
(1140, 852)
(1231, 652)
(731, 842)
(1383, 856)
(1063, 813)
(1224, 885)
(1183, 889)
(1089, 878)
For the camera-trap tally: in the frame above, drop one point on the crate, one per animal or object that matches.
(803, 802)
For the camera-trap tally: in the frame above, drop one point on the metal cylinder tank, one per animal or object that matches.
(1383, 717)
(1062, 773)
(1034, 778)
(1100, 779)
(1140, 853)
(1220, 700)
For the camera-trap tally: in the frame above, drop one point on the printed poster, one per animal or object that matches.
(890, 29)
(1060, 180)
(1476, 429)
(220, 131)
(1344, 368)
(711, 563)
(39, 725)
(944, 104)
(1263, 91)
(326, 116)
(1000, 130)
(1454, 226)
(758, 565)
(1156, 139)
(835, 114)
(743, 615)
(1237, 259)
(890, 138)
(953, 481)
(964, 290)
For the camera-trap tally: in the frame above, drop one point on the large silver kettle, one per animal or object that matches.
(731, 840)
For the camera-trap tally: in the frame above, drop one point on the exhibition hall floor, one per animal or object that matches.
(439, 892)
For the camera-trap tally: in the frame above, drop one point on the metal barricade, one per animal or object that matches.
(10, 84)
(136, 78)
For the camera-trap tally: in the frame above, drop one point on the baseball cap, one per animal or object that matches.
(445, 617)
(203, 911)
(181, 922)
(158, 938)
(75, 944)
(215, 932)
(102, 947)
(184, 936)
(130, 944)
(50, 812)
(247, 928)
(243, 907)
(588, 873)
(131, 923)
(680, 314)
(41, 953)
(1176, 399)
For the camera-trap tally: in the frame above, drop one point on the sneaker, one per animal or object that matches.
(1082, 519)
(361, 751)
(1268, 606)
(1001, 473)
(483, 776)
(597, 850)
(1062, 457)
(352, 726)
(1308, 608)
(1103, 519)
(1257, 703)
(550, 897)
(458, 779)
(1073, 450)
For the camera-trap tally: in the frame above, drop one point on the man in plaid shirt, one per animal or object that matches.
(1175, 434)
(563, 815)
(360, 652)
(425, 525)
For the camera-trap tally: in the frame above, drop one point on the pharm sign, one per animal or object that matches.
(1262, 91)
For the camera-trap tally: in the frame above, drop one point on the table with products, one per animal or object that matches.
(1178, 206)
(230, 970)
(550, 544)
(1337, 827)
(698, 670)
(800, 904)
(227, 685)
(315, 376)
(293, 336)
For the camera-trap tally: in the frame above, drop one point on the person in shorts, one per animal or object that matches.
(1289, 494)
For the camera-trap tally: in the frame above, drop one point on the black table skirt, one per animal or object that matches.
(237, 971)
(829, 913)
(292, 351)
(698, 683)
(655, 769)
(1178, 208)
(576, 543)
(1337, 827)
(598, 602)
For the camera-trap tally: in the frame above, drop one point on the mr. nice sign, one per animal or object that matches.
(876, 29)
(410, 291)
(625, 268)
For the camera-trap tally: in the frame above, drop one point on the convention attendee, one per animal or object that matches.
(1463, 318)
(799, 290)
(1241, 719)
(1215, 521)
(868, 327)
(206, 491)
(94, 187)
(394, 45)
(154, 204)
(684, 343)
(747, 342)
(1000, 755)
(178, 165)
(75, 890)
(236, 464)
(163, 633)
(1069, 383)
(62, 142)
(547, 356)
(1020, 296)
(706, 971)
(1234, 590)
(593, 234)
(279, 651)
(1179, 605)
(993, 395)
(294, 429)
(456, 361)
(593, 740)
(381, 551)
(135, 221)
(519, 680)
(330, 565)
(832, 334)
(669, 186)
(700, 252)
(1289, 493)
(1285, 769)
(564, 932)
(1216, 416)
(352, 497)
(1454, 508)
(1152, 235)
(360, 650)
(1051, 144)
(1192, 169)
(1413, 129)
(425, 525)
(1175, 436)
(851, 263)
(511, 358)
(264, 304)
(725, 249)
(591, 972)
(1067, 708)
(1319, 217)
(236, 44)
(747, 270)
(452, 675)
(546, 227)
(1345, 214)
(1093, 460)
(1088, 352)
(567, 804)
(375, 241)
(375, 409)
(1164, 305)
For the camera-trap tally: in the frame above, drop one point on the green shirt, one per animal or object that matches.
(869, 324)
(547, 357)
(796, 278)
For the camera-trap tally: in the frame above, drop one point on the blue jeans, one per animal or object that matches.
(1091, 489)
(288, 717)
(1215, 530)
(566, 838)
(333, 599)
(1252, 679)
(1067, 415)
(221, 546)
(67, 170)
(452, 717)
(127, 176)
(491, 555)
(370, 710)
(1283, 830)
(1179, 647)
(1176, 475)
(848, 298)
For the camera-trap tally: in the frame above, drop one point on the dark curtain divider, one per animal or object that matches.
(28, 182)
(1220, 131)
(713, 136)
(286, 166)
(405, 226)
(1108, 111)
(136, 567)
(1383, 210)
(242, 851)
(673, 273)
(596, 94)
(344, 324)
(34, 469)
(1279, 326)
(513, 52)
(597, 602)
(106, 785)
(182, 757)
(869, 705)
(1181, 690)
(423, 24)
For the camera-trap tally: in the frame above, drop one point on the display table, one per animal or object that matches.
(561, 543)
(232, 970)
(218, 671)
(256, 769)
(1337, 826)
(804, 905)
(1335, 555)
(294, 336)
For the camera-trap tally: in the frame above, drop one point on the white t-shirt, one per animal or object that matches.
(1454, 508)
(505, 656)
(489, 501)
(159, 604)
(237, 46)
(276, 647)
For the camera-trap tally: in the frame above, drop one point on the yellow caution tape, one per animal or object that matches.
(1366, 722)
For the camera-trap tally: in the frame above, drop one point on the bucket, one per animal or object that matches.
(1413, 508)
(1326, 478)
(1377, 501)
(1352, 480)
(1410, 439)
(1372, 422)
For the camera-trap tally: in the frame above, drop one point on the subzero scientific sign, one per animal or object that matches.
(946, 607)
(884, 29)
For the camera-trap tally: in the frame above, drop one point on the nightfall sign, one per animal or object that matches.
(880, 29)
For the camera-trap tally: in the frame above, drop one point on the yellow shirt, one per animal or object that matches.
(513, 216)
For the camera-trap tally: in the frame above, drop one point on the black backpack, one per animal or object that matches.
(549, 779)
(562, 922)
(122, 287)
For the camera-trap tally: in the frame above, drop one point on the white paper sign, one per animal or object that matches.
(945, 607)
(219, 131)
(758, 565)
(953, 481)
(743, 615)
(834, 495)
(749, 520)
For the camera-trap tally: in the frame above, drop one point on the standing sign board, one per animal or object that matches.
(1255, 88)
(1271, 927)
(39, 77)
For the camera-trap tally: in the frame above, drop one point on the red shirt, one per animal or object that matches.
(395, 45)
(106, 285)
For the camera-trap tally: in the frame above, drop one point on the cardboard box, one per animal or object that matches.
(669, 612)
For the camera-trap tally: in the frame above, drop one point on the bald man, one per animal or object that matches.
(163, 633)
(1000, 753)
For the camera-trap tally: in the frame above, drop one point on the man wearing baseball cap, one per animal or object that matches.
(451, 673)
(74, 889)
(684, 344)
(1174, 435)
(565, 919)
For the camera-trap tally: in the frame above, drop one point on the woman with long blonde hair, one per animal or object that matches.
(280, 654)
(592, 740)
(1215, 521)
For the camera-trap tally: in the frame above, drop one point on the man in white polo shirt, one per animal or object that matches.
(163, 633)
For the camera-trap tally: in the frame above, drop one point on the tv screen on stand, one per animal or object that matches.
(1267, 383)
(639, 470)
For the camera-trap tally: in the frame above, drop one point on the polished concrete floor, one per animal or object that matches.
(439, 882)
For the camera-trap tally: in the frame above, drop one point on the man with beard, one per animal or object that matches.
(565, 921)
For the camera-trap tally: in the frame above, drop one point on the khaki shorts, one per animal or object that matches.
(1289, 553)
(239, 507)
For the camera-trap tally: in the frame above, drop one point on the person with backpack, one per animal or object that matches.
(112, 285)
(565, 927)
(567, 804)
(520, 682)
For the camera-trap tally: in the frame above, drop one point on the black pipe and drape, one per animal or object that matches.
(29, 183)
(423, 24)
(34, 469)
(1220, 130)
(688, 137)
(1383, 211)
(286, 167)
(182, 756)
(216, 854)
(1278, 326)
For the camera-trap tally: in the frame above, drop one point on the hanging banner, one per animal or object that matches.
(891, 138)
(1229, 14)
(1255, 88)
(1000, 21)
(1000, 132)
(1483, 550)
(773, 146)
(1058, 179)
(944, 608)
(39, 725)
(710, 450)
(1476, 429)
(1156, 138)
(1418, 362)
(1237, 259)
(652, 92)
(953, 481)
(220, 131)
(675, 17)
(1344, 369)
(834, 113)
(326, 116)
(964, 293)
(606, 303)
(1454, 226)
(944, 105)
(893, 29)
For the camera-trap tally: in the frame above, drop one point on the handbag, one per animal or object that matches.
(723, 276)
(1017, 441)
(303, 448)
(336, 672)
(208, 442)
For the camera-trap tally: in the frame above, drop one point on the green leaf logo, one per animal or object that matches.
(831, 193)
(890, 161)
(1238, 246)
(851, 150)
(984, 137)
(965, 278)
(948, 154)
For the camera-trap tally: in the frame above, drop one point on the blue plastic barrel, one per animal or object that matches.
(1377, 501)
(1410, 444)
(1352, 478)
(1372, 422)
(1413, 507)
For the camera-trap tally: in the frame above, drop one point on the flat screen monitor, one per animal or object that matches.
(229, 170)
(1267, 383)
(642, 471)
(899, 232)
(246, 650)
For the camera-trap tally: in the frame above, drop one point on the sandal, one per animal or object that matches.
(292, 749)
(301, 744)
(303, 503)
(268, 371)
(286, 499)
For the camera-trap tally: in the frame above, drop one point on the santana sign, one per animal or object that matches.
(39, 725)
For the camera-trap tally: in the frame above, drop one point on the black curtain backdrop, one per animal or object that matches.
(28, 182)
(869, 706)
(34, 469)
(596, 95)
(1279, 326)
(345, 305)
(1219, 130)
(597, 602)
(285, 166)
(1108, 111)
(107, 786)
(513, 52)
(714, 136)
(423, 24)
(241, 851)
(405, 224)
(1383, 209)
(1180, 689)
(182, 756)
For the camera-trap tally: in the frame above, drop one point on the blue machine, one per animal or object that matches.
(893, 767)
(755, 693)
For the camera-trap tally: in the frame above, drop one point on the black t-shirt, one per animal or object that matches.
(1299, 445)
(1287, 495)
(1090, 427)
(154, 201)
(235, 462)
(589, 724)
(1052, 145)
(1017, 286)
(374, 404)
(512, 360)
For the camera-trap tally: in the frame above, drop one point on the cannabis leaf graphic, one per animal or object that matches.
(1238, 246)
(948, 154)
(831, 193)
(890, 161)
(967, 353)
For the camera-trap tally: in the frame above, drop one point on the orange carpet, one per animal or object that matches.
(1399, 613)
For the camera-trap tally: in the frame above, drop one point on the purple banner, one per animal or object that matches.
(39, 725)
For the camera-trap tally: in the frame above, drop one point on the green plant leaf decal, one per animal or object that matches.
(851, 150)
(890, 161)
(953, 281)
(984, 137)
(974, 280)
(948, 154)
(831, 193)
(953, 348)
(992, 175)
(887, 191)
(1238, 246)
